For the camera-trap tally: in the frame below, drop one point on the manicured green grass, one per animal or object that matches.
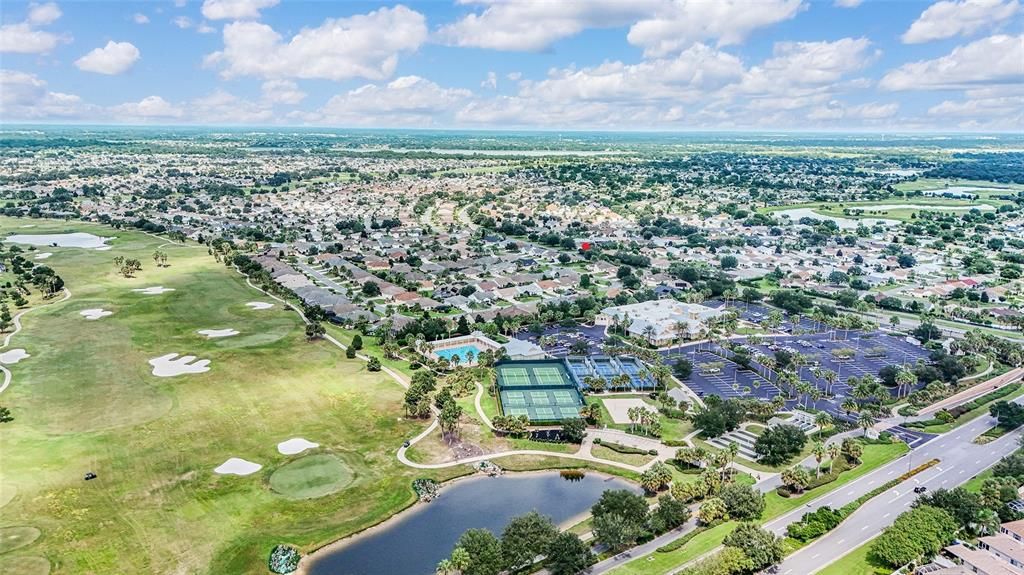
(86, 401)
(24, 565)
(875, 455)
(311, 476)
(657, 563)
(604, 452)
(974, 484)
(970, 415)
(12, 538)
(856, 562)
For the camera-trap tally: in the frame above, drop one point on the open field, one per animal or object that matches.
(86, 401)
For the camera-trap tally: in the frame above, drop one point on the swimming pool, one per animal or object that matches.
(462, 351)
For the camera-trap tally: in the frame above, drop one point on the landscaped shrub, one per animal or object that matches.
(284, 559)
(625, 449)
(815, 524)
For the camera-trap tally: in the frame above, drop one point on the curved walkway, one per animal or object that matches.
(17, 328)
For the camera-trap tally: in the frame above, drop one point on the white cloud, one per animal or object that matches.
(114, 58)
(661, 27)
(533, 26)
(235, 9)
(801, 67)
(140, 18)
(514, 76)
(686, 76)
(871, 111)
(24, 96)
(364, 45)
(491, 82)
(149, 107)
(43, 14)
(204, 28)
(996, 107)
(408, 100)
(682, 23)
(221, 107)
(848, 3)
(183, 22)
(950, 18)
(282, 92)
(992, 60)
(25, 38)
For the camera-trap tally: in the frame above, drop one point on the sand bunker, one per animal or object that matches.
(212, 333)
(260, 305)
(13, 356)
(43, 255)
(95, 313)
(153, 290)
(295, 445)
(236, 466)
(171, 365)
(103, 249)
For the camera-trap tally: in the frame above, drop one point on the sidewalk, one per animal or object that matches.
(975, 391)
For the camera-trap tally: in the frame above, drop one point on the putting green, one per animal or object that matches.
(311, 476)
(24, 565)
(12, 538)
(91, 403)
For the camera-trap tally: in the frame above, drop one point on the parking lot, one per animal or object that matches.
(565, 337)
(757, 313)
(731, 381)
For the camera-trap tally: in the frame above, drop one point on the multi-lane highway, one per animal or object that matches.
(960, 460)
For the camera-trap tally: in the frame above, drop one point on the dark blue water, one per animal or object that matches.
(421, 537)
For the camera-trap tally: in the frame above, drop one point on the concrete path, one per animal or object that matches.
(1012, 376)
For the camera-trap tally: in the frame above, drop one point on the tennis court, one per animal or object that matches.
(543, 391)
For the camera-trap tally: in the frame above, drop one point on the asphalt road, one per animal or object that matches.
(960, 461)
(321, 277)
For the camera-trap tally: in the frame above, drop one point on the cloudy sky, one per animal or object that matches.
(545, 64)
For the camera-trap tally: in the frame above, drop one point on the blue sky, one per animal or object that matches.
(595, 64)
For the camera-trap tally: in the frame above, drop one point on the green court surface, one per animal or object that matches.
(541, 390)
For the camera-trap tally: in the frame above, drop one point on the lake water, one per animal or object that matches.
(959, 190)
(417, 539)
(844, 223)
(73, 240)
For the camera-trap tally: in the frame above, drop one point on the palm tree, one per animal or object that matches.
(680, 328)
(823, 419)
(444, 567)
(905, 379)
(733, 450)
(865, 421)
(850, 405)
(819, 452)
(831, 378)
(833, 453)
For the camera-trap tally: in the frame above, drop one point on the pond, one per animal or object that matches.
(73, 240)
(414, 542)
(844, 223)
